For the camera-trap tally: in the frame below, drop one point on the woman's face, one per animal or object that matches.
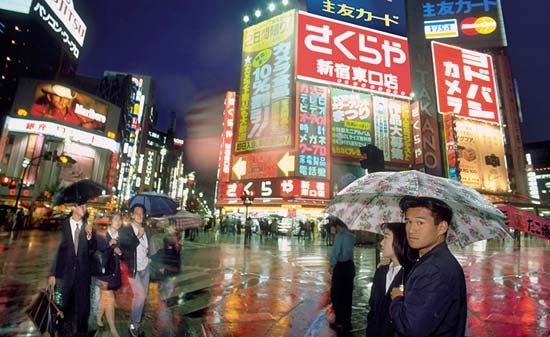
(387, 244)
(116, 222)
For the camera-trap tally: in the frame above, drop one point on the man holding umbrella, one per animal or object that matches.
(72, 265)
(434, 302)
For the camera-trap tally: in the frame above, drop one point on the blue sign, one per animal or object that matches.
(384, 15)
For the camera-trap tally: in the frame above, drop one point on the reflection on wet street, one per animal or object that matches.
(279, 287)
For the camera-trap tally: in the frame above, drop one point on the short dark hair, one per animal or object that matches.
(335, 221)
(405, 254)
(134, 206)
(440, 210)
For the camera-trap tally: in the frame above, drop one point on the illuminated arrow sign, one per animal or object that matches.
(287, 163)
(239, 169)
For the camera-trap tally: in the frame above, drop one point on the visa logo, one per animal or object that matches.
(439, 29)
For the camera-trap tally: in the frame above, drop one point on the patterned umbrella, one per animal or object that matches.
(374, 199)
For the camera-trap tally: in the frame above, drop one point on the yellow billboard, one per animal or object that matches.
(481, 156)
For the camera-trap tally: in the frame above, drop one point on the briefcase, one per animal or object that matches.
(44, 313)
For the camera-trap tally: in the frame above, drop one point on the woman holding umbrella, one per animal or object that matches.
(389, 276)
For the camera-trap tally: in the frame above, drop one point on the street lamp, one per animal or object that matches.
(247, 201)
(62, 159)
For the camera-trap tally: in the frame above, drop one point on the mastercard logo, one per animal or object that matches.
(483, 25)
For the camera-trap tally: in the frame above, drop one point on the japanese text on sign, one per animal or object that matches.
(266, 88)
(312, 134)
(444, 8)
(388, 16)
(276, 188)
(336, 52)
(465, 83)
(351, 122)
(392, 123)
(227, 137)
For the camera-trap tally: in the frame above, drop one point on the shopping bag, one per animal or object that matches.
(44, 313)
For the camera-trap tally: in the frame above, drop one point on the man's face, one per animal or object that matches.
(422, 231)
(79, 211)
(138, 215)
(59, 102)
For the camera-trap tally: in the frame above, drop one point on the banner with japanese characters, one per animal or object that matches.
(387, 16)
(334, 52)
(465, 83)
(481, 159)
(224, 161)
(392, 129)
(473, 24)
(266, 114)
(274, 188)
(351, 124)
(313, 153)
(416, 126)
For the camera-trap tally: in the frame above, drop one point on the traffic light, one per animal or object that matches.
(373, 158)
(5, 181)
(64, 159)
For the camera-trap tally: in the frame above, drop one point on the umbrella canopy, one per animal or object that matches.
(374, 199)
(79, 192)
(182, 220)
(156, 204)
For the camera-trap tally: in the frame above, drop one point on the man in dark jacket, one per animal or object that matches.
(135, 243)
(72, 265)
(434, 301)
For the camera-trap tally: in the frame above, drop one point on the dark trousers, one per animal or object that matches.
(341, 292)
(75, 305)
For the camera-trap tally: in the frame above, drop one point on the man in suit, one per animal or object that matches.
(434, 301)
(72, 266)
(136, 245)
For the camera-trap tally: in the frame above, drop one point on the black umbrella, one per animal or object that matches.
(79, 192)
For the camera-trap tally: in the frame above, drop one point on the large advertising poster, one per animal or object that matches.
(465, 83)
(351, 125)
(392, 129)
(64, 104)
(335, 52)
(471, 24)
(481, 155)
(387, 16)
(266, 113)
(313, 139)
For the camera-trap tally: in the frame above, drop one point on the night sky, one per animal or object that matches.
(191, 49)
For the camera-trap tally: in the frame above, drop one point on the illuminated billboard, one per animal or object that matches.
(392, 129)
(261, 165)
(351, 122)
(481, 159)
(265, 119)
(313, 137)
(387, 16)
(275, 188)
(465, 83)
(337, 53)
(224, 161)
(471, 24)
(60, 103)
(19, 6)
(63, 21)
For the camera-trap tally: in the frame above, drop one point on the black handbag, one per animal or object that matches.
(103, 263)
(44, 313)
(113, 280)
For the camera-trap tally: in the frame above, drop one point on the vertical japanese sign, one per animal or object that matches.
(481, 155)
(467, 23)
(330, 51)
(351, 125)
(392, 129)
(265, 118)
(416, 124)
(465, 83)
(313, 156)
(224, 161)
(387, 16)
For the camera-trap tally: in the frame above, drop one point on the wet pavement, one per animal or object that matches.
(279, 287)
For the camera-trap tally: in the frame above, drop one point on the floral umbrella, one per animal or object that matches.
(374, 199)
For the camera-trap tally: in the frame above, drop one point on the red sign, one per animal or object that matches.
(526, 222)
(275, 188)
(261, 165)
(465, 83)
(331, 51)
(224, 161)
